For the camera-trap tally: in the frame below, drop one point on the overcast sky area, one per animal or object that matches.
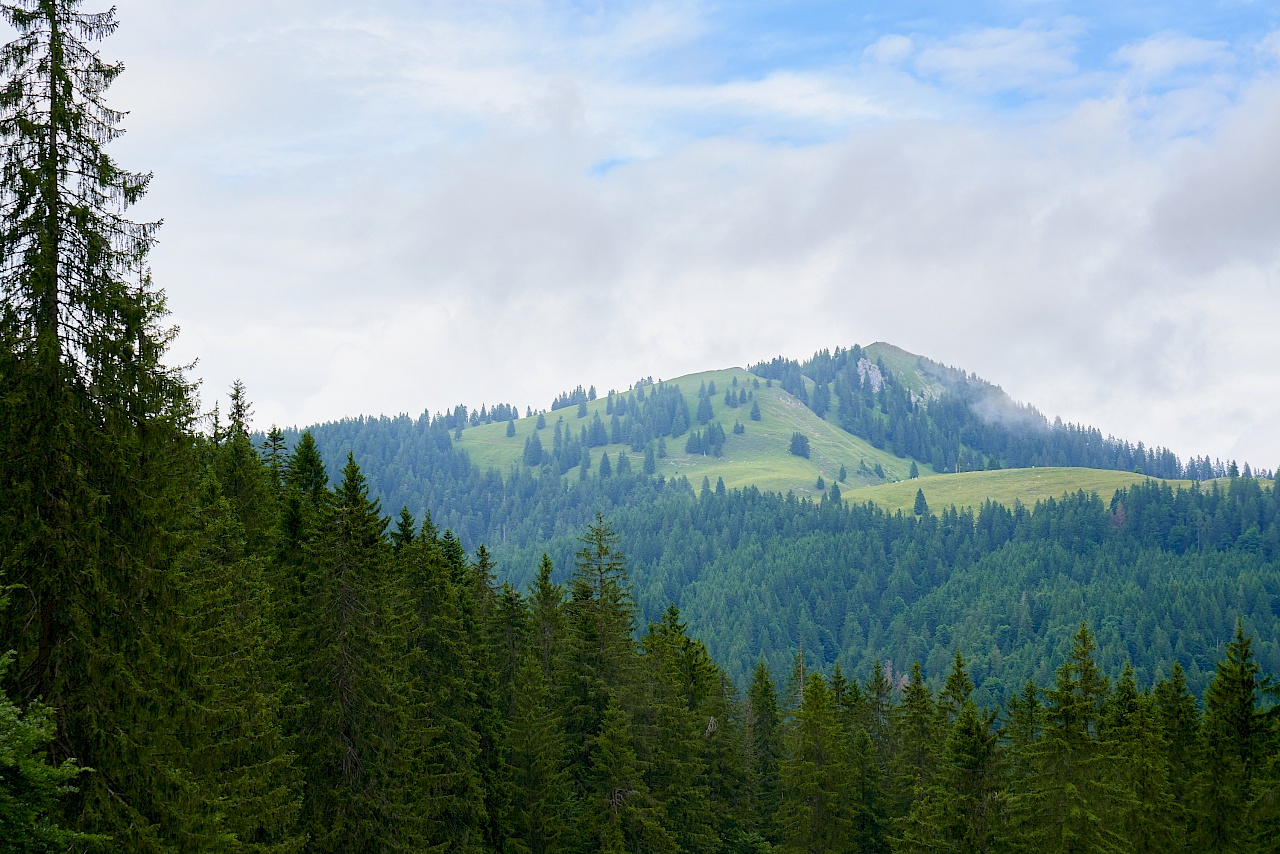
(386, 207)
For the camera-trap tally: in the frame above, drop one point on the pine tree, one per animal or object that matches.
(357, 710)
(815, 813)
(755, 411)
(1236, 741)
(1179, 720)
(443, 745)
(1131, 730)
(1071, 800)
(536, 768)
(764, 743)
(97, 476)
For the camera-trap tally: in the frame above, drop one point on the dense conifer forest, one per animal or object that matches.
(1161, 573)
(217, 643)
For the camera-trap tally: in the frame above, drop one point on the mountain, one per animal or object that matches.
(760, 456)
(1043, 525)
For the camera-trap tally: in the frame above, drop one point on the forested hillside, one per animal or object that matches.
(1162, 572)
(957, 422)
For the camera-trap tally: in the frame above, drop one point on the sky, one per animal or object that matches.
(396, 206)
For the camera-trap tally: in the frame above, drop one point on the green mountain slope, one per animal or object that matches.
(759, 457)
(972, 488)
(758, 574)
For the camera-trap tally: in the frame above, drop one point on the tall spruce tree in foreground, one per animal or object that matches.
(1072, 801)
(819, 797)
(235, 742)
(1237, 740)
(445, 746)
(356, 704)
(94, 473)
(764, 746)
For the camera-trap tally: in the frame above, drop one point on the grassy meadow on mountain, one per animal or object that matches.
(762, 561)
(758, 457)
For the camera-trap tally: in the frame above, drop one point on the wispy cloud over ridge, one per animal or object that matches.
(1074, 207)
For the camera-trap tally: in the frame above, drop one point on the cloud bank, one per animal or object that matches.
(411, 206)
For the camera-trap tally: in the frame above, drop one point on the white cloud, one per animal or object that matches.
(1002, 58)
(399, 211)
(890, 50)
(1162, 54)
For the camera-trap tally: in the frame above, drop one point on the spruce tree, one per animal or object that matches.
(675, 723)
(1072, 800)
(1236, 741)
(96, 476)
(32, 791)
(443, 744)
(480, 619)
(955, 693)
(965, 808)
(356, 718)
(405, 530)
(1131, 730)
(917, 739)
(881, 715)
(868, 800)
(620, 815)
(599, 664)
(818, 803)
(764, 745)
(273, 452)
(540, 808)
(237, 744)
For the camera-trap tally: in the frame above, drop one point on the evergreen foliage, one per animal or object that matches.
(966, 424)
(32, 791)
(214, 650)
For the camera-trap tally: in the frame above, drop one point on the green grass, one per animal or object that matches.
(970, 489)
(760, 458)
